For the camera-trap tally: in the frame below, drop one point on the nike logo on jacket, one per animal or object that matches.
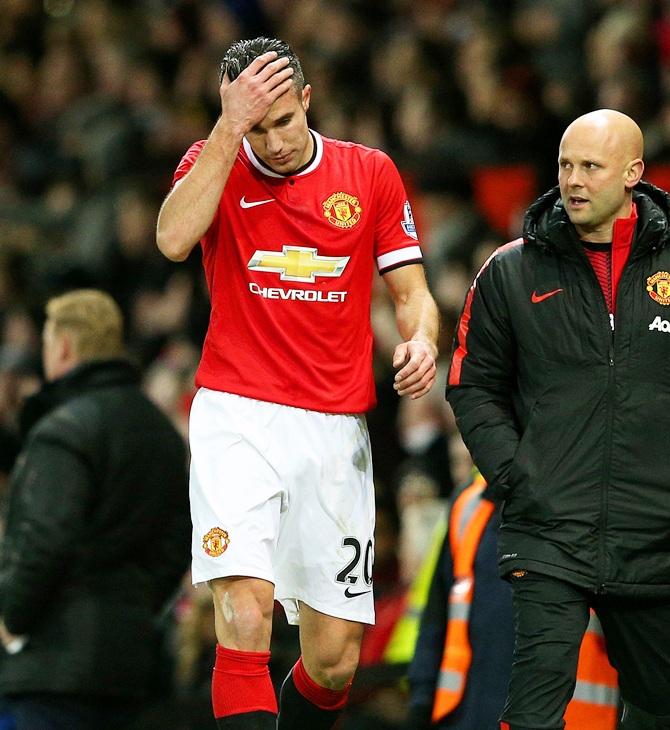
(535, 297)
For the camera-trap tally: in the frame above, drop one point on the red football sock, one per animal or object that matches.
(326, 699)
(241, 682)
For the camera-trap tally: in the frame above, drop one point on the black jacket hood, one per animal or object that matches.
(546, 224)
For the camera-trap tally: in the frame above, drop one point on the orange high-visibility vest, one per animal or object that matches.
(468, 517)
(595, 700)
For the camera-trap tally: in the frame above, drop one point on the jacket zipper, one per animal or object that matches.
(607, 455)
(604, 483)
(611, 373)
(611, 387)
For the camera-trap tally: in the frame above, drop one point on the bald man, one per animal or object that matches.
(560, 383)
(599, 164)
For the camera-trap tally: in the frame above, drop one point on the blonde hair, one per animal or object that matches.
(93, 320)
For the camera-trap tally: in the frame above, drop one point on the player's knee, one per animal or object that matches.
(243, 617)
(334, 667)
(249, 619)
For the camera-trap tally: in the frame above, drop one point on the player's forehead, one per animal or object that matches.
(287, 104)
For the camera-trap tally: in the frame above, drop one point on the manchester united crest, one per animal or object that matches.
(342, 210)
(215, 542)
(658, 287)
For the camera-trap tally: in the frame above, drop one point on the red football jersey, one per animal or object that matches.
(289, 263)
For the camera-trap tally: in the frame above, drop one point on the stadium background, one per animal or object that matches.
(98, 101)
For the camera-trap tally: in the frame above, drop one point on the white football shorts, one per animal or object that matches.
(286, 495)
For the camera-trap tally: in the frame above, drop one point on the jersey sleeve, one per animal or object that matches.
(188, 160)
(396, 239)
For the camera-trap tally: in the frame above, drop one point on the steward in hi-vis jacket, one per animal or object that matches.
(460, 670)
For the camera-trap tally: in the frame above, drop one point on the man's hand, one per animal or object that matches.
(417, 362)
(246, 101)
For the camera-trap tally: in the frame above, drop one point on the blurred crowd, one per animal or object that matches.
(99, 99)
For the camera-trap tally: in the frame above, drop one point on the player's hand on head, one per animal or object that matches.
(246, 100)
(415, 361)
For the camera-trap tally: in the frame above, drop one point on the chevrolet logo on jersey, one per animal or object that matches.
(296, 263)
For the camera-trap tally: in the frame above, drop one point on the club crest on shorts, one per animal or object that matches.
(215, 542)
(342, 210)
(658, 287)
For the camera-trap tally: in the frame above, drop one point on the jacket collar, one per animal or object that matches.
(86, 377)
(546, 224)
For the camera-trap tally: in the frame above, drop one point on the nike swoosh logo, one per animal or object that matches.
(253, 203)
(535, 297)
(349, 594)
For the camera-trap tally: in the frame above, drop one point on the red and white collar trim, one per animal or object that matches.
(318, 142)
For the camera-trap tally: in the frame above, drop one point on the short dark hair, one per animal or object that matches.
(243, 52)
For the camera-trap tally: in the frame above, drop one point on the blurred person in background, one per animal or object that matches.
(291, 226)
(463, 656)
(97, 530)
(559, 383)
(19, 378)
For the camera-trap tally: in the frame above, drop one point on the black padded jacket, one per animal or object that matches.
(97, 536)
(567, 418)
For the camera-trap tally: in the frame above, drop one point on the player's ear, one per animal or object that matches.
(306, 96)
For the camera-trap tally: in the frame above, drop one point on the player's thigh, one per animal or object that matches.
(236, 494)
(325, 549)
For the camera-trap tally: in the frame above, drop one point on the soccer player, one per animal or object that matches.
(292, 226)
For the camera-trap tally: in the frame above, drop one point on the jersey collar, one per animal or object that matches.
(316, 158)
